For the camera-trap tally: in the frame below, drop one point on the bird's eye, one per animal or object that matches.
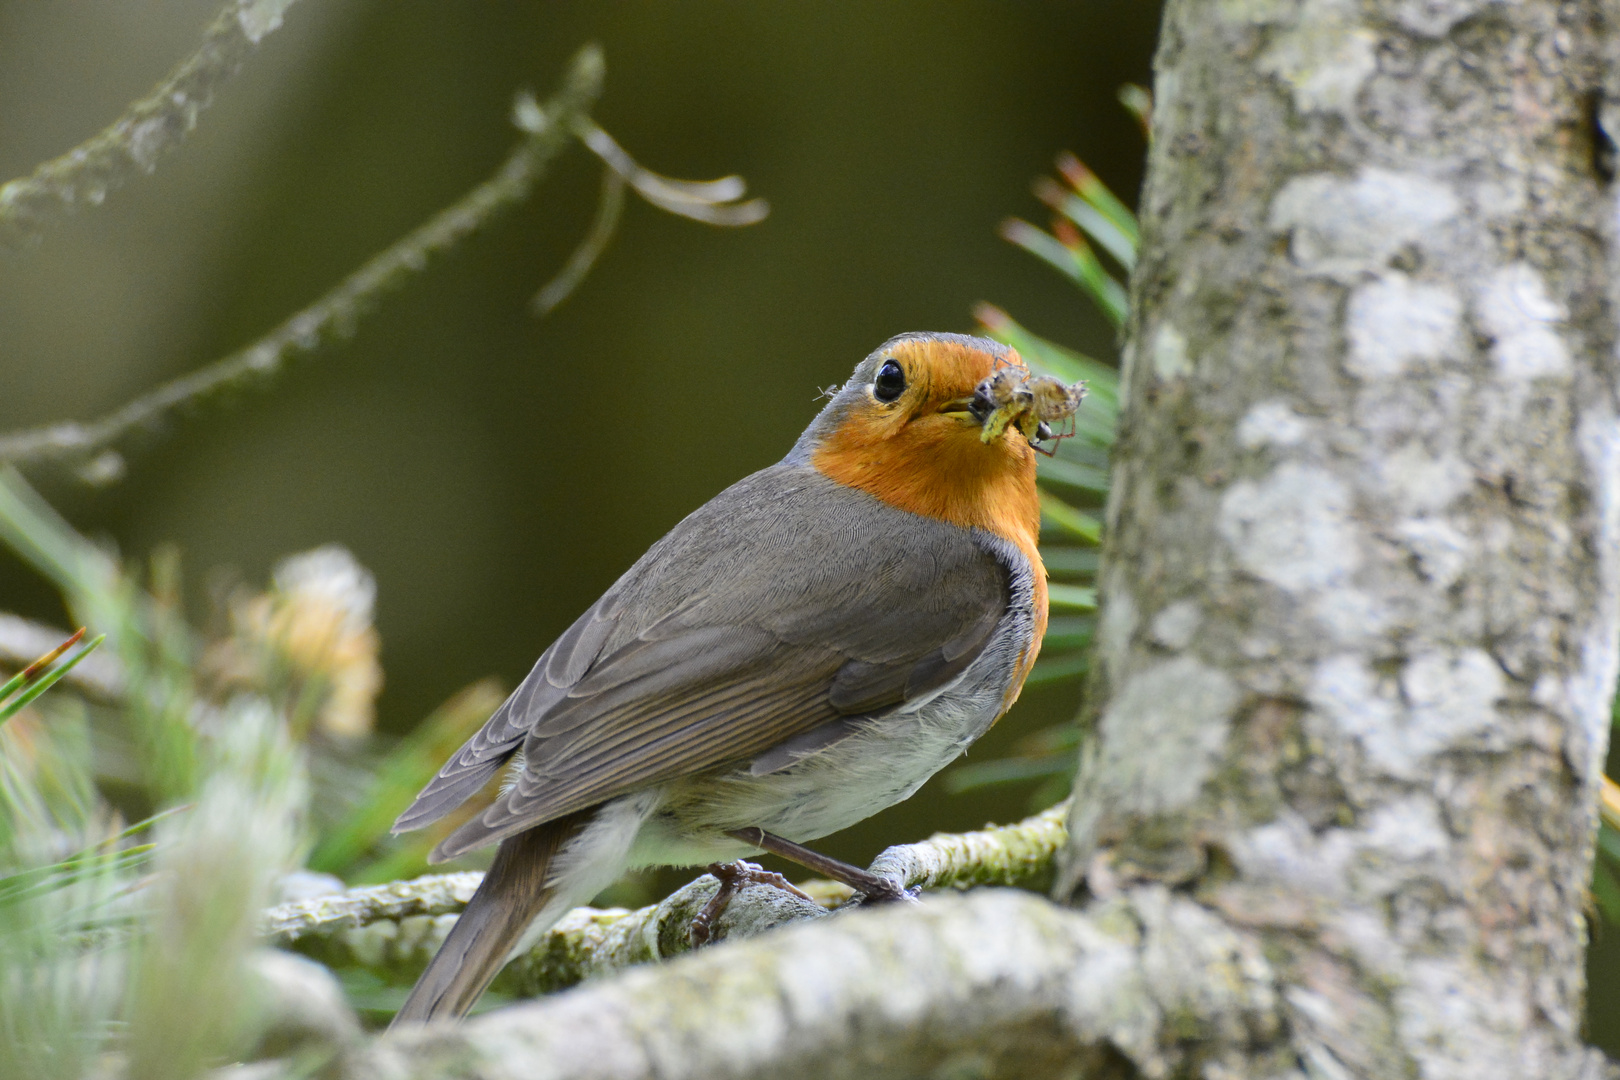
(890, 382)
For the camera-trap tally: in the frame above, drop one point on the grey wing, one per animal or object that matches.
(729, 648)
(559, 668)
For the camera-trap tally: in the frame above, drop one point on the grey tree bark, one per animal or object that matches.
(1359, 631)
(1359, 607)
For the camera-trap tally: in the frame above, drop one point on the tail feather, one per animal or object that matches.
(513, 892)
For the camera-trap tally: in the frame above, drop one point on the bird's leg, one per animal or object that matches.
(872, 887)
(734, 876)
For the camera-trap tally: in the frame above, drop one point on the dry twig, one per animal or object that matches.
(547, 129)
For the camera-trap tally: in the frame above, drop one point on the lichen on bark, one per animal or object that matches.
(991, 984)
(1369, 452)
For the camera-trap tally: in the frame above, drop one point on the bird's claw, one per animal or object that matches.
(733, 877)
(873, 888)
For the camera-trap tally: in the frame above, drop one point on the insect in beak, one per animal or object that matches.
(1012, 397)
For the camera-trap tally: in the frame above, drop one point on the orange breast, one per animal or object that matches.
(936, 466)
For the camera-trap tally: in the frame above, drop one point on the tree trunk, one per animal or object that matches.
(1358, 641)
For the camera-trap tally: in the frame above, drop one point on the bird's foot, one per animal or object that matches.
(874, 888)
(733, 876)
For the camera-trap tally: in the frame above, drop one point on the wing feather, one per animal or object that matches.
(736, 634)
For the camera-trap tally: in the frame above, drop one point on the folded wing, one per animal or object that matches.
(737, 632)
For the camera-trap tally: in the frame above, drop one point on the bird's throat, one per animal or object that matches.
(949, 476)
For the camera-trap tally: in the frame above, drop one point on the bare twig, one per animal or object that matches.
(608, 209)
(148, 129)
(711, 201)
(88, 446)
(338, 310)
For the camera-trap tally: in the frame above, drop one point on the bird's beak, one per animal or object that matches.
(976, 408)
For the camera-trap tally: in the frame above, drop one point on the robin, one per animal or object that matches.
(802, 651)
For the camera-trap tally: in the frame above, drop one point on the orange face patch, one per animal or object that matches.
(922, 451)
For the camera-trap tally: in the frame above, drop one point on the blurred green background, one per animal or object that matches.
(496, 472)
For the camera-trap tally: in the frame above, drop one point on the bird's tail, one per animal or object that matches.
(513, 892)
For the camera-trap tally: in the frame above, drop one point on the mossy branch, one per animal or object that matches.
(1018, 854)
(394, 929)
(993, 983)
(148, 129)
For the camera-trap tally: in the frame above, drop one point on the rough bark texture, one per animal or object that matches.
(989, 985)
(1359, 612)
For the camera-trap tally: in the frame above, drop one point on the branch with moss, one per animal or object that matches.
(147, 130)
(993, 983)
(394, 929)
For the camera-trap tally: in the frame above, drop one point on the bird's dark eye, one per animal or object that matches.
(890, 382)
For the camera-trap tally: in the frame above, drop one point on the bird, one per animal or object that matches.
(802, 651)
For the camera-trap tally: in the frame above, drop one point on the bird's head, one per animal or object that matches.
(909, 427)
(917, 390)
